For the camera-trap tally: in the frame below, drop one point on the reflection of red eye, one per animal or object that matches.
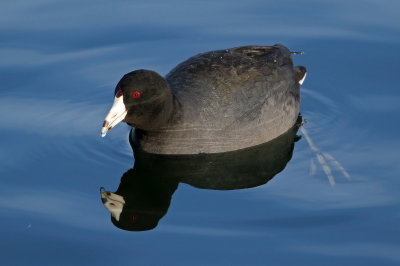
(136, 94)
(132, 219)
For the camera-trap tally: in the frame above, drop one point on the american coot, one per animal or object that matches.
(213, 102)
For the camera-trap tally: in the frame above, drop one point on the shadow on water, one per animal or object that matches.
(144, 194)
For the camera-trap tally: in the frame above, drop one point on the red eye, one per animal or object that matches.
(136, 94)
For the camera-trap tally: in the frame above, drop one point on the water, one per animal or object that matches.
(59, 65)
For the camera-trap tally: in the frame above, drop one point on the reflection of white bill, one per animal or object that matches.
(113, 202)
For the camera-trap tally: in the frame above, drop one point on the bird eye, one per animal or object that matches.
(136, 94)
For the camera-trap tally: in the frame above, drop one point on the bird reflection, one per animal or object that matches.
(144, 194)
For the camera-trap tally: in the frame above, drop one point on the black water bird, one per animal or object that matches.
(214, 102)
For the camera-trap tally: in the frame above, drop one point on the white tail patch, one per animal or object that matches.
(324, 159)
(302, 80)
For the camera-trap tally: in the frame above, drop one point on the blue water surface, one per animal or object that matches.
(60, 61)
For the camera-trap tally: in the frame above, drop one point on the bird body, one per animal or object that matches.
(219, 101)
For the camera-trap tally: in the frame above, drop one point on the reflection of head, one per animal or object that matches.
(147, 198)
